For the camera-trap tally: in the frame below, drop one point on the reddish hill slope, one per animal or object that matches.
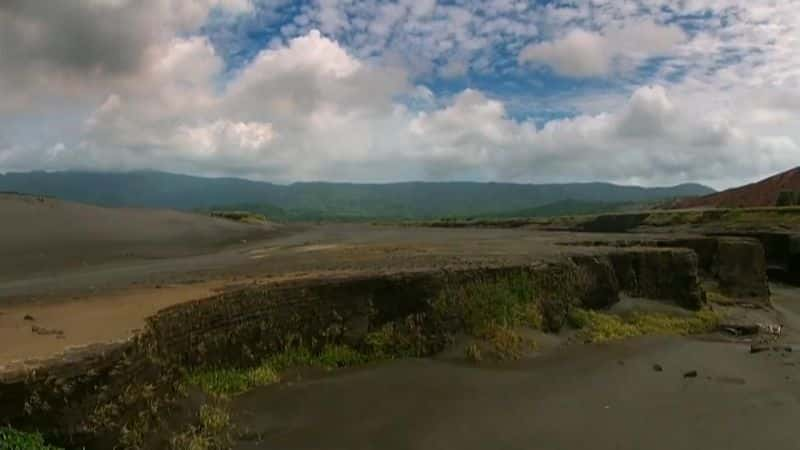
(761, 193)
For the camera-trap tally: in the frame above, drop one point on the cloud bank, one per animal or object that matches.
(138, 85)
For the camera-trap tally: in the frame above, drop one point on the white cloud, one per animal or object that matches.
(66, 51)
(245, 139)
(579, 53)
(650, 140)
(583, 53)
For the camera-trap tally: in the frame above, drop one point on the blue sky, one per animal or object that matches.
(631, 91)
(494, 69)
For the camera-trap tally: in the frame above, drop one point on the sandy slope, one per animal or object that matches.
(41, 235)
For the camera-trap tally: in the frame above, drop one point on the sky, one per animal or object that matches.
(648, 92)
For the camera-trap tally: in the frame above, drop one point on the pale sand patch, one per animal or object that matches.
(101, 318)
(316, 248)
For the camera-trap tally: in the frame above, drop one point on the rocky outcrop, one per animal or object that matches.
(705, 247)
(740, 267)
(737, 265)
(781, 251)
(602, 285)
(614, 223)
(661, 274)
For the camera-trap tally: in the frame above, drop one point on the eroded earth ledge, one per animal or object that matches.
(95, 396)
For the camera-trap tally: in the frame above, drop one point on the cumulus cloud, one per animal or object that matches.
(583, 53)
(243, 140)
(646, 139)
(311, 110)
(56, 49)
(287, 114)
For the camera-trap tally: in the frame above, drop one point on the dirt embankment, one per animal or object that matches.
(242, 327)
(387, 276)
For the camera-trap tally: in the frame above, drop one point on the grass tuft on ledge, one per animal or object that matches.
(11, 439)
(233, 381)
(597, 326)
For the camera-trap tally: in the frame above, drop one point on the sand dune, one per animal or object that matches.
(39, 234)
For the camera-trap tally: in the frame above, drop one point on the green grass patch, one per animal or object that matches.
(233, 381)
(601, 327)
(496, 308)
(537, 300)
(485, 305)
(11, 439)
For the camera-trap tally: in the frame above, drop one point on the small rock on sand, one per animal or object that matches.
(658, 368)
(28, 317)
(690, 374)
(758, 348)
(46, 331)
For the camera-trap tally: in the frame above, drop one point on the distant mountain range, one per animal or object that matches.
(319, 201)
(761, 193)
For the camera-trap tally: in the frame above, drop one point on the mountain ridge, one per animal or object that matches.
(412, 199)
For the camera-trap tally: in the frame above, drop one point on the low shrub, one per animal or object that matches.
(486, 304)
(212, 432)
(473, 353)
(11, 439)
(509, 344)
(240, 216)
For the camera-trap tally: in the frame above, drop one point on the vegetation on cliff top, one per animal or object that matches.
(11, 439)
(597, 326)
(232, 381)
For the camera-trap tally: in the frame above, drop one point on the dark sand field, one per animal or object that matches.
(96, 273)
(43, 236)
(54, 249)
(107, 301)
(598, 396)
(603, 397)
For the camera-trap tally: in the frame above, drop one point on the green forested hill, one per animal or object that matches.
(320, 201)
